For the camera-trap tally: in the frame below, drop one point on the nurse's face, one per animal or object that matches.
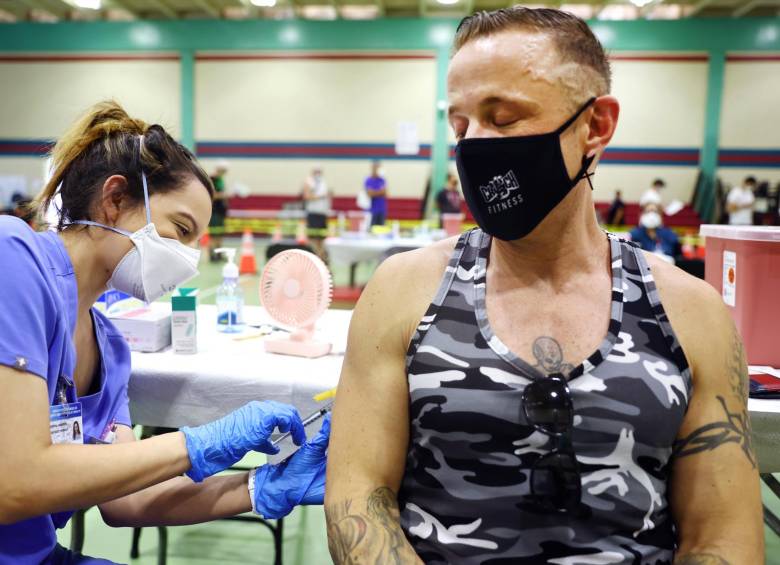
(182, 214)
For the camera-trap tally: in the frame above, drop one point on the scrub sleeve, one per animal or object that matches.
(29, 318)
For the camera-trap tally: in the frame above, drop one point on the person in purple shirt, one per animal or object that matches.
(134, 205)
(376, 187)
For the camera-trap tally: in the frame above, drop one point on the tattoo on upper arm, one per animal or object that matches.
(549, 356)
(700, 559)
(370, 536)
(735, 425)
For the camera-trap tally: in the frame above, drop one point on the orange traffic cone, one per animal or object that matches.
(276, 236)
(248, 264)
(301, 236)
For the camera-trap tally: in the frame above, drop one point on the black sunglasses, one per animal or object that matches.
(555, 477)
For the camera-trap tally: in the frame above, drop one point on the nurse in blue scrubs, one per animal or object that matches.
(134, 204)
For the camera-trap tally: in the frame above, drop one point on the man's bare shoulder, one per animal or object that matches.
(399, 293)
(695, 309)
(419, 269)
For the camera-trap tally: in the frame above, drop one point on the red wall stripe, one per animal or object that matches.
(663, 58)
(315, 57)
(84, 58)
(746, 58)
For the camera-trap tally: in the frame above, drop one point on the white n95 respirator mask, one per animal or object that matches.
(155, 265)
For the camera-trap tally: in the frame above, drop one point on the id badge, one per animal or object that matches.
(65, 423)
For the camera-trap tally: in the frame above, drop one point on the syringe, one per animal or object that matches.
(308, 420)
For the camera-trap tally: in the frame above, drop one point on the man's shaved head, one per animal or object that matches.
(584, 64)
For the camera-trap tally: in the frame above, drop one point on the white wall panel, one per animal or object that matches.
(40, 99)
(313, 100)
(662, 103)
(750, 118)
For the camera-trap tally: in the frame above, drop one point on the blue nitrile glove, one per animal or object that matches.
(300, 480)
(215, 446)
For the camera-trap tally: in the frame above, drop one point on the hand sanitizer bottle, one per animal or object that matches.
(230, 297)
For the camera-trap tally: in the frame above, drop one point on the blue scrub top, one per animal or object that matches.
(38, 305)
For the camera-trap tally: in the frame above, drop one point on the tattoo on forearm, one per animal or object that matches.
(738, 374)
(549, 356)
(735, 425)
(700, 559)
(373, 535)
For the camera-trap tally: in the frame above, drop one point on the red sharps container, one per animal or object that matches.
(743, 264)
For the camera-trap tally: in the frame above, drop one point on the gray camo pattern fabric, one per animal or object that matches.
(465, 498)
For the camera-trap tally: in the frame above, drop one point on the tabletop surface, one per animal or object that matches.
(172, 390)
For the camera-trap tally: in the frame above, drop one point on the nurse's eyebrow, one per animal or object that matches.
(188, 216)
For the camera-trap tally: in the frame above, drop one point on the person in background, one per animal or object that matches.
(617, 210)
(22, 209)
(448, 198)
(218, 209)
(653, 194)
(652, 235)
(740, 202)
(376, 188)
(317, 202)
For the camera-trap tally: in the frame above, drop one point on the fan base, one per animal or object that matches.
(308, 348)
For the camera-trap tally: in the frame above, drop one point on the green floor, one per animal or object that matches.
(228, 543)
(214, 543)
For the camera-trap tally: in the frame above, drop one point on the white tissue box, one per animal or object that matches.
(146, 329)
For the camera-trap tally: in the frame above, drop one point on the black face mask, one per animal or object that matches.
(511, 184)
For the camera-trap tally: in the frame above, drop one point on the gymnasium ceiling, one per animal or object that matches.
(124, 10)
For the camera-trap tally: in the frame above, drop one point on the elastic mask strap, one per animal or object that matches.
(584, 173)
(576, 115)
(146, 199)
(143, 180)
(105, 227)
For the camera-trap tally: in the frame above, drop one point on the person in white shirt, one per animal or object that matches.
(739, 203)
(653, 194)
(317, 201)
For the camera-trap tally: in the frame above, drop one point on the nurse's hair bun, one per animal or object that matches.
(106, 141)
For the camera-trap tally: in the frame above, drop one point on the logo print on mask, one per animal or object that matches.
(498, 193)
(500, 187)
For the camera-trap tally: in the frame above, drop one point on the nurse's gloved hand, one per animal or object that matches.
(218, 445)
(300, 480)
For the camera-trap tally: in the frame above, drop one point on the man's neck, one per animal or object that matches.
(568, 242)
(91, 278)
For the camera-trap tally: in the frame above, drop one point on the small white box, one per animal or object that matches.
(146, 329)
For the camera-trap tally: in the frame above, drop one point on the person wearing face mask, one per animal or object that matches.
(134, 203)
(653, 236)
(536, 383)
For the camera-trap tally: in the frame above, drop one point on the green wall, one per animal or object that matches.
(716, 37)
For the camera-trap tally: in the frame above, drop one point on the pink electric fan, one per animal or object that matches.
(295, 290)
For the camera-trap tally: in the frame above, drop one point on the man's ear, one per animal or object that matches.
(602, 124)
(113, 198)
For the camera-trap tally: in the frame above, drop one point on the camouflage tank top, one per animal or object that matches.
(465, 495)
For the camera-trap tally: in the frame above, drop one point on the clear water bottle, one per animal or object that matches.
(230, 296)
